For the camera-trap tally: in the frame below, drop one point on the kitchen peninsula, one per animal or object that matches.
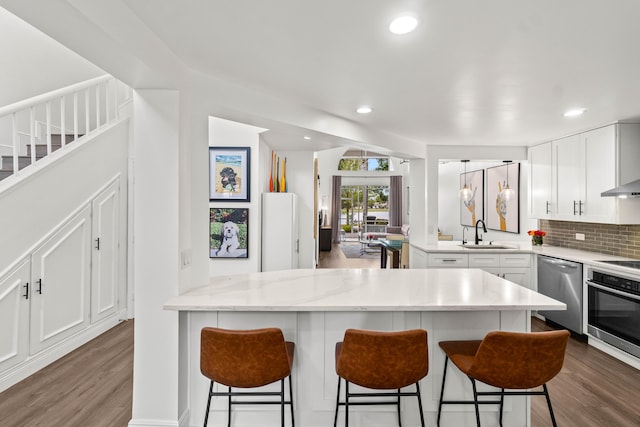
(315, 307)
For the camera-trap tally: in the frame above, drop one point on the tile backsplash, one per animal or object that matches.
(620, 240)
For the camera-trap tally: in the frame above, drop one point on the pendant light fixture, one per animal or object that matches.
(507, 192)
(465, 192)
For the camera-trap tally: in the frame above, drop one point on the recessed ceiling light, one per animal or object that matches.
(575, 112)
(365, 109)
(307, 137)
(403, 24)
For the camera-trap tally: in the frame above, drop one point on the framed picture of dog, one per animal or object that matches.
(229, 174)
(229, 232)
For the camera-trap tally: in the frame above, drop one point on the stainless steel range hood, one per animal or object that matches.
(631, 189)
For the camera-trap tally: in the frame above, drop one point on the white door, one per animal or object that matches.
(600, 174)
(14, 315)
(540, 203)
(521, 276)
(60, 288)
(568, 169)
(104, 256)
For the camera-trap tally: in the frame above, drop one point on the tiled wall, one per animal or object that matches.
(620, 240)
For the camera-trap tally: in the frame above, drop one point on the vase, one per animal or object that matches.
(536, 240)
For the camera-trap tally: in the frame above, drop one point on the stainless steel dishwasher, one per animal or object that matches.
(562, 280)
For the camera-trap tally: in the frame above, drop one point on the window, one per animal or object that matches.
(363, 161)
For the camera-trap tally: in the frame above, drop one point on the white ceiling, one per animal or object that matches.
(491, 72)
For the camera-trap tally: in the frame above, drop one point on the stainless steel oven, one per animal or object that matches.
(614, 308)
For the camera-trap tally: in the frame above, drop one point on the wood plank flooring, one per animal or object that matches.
(89, 387)
(92, 386)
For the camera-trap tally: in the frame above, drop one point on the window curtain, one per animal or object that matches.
(336, 195)
(395, 201)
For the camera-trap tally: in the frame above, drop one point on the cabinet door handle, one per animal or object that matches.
(98, 243)
(448, 260)
(548, 204)
(574, 207)
(39, 286)
(26, 291)
(580, 203)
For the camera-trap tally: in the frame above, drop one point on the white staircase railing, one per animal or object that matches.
(72, 112)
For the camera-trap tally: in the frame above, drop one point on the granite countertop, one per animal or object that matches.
(362, 290)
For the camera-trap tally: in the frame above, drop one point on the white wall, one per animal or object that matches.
(45, 197)
(156, 257)
(34, 56)
(449, 203)
(225, 133)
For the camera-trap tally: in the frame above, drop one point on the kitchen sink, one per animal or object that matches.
(486, 246)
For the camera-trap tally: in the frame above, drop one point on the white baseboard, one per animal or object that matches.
(34, 363)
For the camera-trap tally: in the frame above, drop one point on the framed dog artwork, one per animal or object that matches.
(228, 233)
(229, 174)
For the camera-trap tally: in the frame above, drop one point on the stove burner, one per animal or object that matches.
(630, 264)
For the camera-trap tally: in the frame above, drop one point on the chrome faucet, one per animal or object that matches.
(484, 229)
(463, 230)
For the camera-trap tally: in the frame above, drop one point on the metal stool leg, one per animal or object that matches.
(293, 421)
(206, 414)
(282, 402)
(444, 378)
(501, 405)
(546, 394)
(475, 401)
(335, 418)
(420, 405)
(398, 406)
(229, 416)
(346, 403)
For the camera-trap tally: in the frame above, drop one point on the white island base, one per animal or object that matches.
(315, 307)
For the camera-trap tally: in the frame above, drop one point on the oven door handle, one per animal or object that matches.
(613, 291)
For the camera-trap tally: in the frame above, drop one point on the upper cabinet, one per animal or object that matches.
(540, 193)
(568, 175)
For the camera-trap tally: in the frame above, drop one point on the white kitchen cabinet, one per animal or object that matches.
(540, 194)
(14, 315)
(60, 274)
(515, 267)
(417, 258)
(447, 260)
(567, 172)
(582, 167)
(585, 167)
(105, 253)
(280, 240)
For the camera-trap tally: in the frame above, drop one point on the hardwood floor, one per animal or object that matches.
(92, 387)
(89, 387)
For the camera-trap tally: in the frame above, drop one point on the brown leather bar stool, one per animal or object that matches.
(381, 361)
(246, 359)
(507, 360)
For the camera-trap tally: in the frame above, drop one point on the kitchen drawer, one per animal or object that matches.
(515, 260)
(443, 260)
(484, 260)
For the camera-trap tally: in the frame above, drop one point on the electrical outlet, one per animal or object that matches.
(579, 236)
(186, 258)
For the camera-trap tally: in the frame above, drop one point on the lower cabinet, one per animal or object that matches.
(67, 282)
(105, 251)
(14, 315)
(60, 275)
(515, 267)
(417, 258)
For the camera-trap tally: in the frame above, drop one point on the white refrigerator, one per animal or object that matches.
(280, 241)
